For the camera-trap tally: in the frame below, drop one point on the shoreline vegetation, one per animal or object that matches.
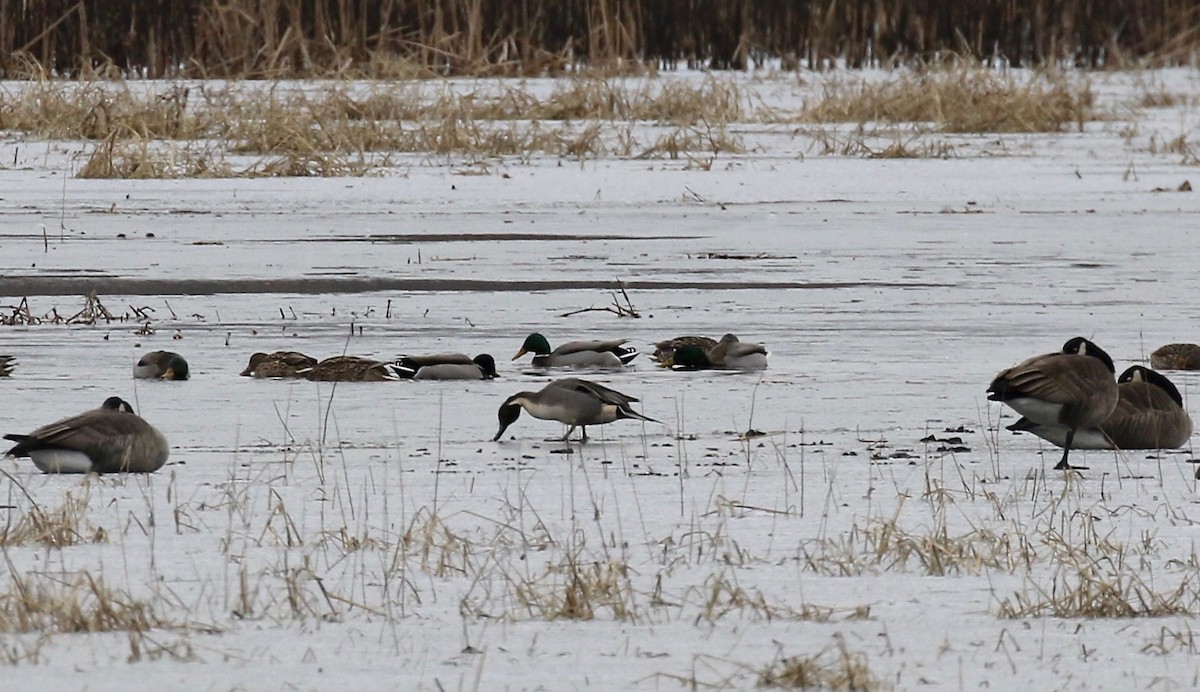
(241, 39)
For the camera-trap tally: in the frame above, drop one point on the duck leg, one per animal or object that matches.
(570, 430)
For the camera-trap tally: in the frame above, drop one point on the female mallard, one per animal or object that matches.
(353, 369)
(1149, 415)
(164, 365)
(664, 351)
(285, 364)
(575, 402)
(7, 363)
(1073, 389)
(110, 439)
(728, 354)
(577, 353)
(447, 366)
(1176, 357)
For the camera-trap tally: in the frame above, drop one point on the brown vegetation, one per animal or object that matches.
(405, 38)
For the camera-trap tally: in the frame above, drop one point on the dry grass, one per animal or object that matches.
(577, 590)
(1098, 590)
(56, 528)
(77, 603)
(838, 668)
(294, 38)
(966, 98)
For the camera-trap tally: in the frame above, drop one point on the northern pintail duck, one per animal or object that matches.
(109, 439)
(164, 365)
(577, 353)
(1074, 389)
(1176, 357)
(447, 366)
(1149, 415)
(284, 364)
(571, 401)
(353, 369)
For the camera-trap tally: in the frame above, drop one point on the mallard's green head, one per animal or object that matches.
(177, 369)
(536, 344)
(487, 364)
(690, 358)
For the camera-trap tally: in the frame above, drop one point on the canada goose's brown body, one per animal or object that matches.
(1074, 389)
(1149, 415)
(109, 439)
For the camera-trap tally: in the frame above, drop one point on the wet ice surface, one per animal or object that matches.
(372, 534)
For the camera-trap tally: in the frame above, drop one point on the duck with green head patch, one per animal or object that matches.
(109, 439)
(664, 351)
(161, 365)
(571, 401)
(728, 354)
(447, 366)
(604, 354)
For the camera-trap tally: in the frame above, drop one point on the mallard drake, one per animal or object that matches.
(664, 351)
(577, 353)
(109, 439)
(7, 363)
(165, 365)
(353, 369)
(728, 354)
(1073, 389)
(286, 364)
(1149, 415)
(447, 366)
(572, 401)
(1176, 357)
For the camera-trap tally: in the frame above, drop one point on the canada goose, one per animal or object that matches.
(664, 351)
(286, 364)
(447, 366)
(353, 369)
(1176, 357)
(575, 402)
(165, 365)
(109, 439)
(574, 353)
(1149, 415)
(7, 363)
(728, 354)
(1073, 389)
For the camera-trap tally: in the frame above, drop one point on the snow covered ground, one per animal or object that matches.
(307, 536)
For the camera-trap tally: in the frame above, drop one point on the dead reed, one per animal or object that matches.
(963, 98)
(55, 528)
(78, 603)
(299, 38)
(836, 668)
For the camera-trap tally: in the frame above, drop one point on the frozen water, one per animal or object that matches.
(372, 535)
